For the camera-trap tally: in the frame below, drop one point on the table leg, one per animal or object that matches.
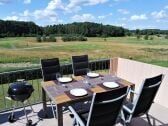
(60, 115)
(44, 103)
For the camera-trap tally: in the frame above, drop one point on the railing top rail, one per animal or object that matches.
(35, 73)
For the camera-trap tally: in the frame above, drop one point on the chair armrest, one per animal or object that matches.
(127, 109)
(76, 116)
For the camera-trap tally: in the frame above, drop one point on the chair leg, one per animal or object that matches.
(127, 124)
(147, 115)
(54, 114)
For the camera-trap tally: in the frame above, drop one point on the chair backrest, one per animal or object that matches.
(106, 107)
(147, 94)
(50, 67)
(80, 65)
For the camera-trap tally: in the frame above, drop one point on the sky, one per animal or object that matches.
(131, 14)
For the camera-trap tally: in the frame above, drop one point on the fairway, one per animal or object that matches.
(25, 52)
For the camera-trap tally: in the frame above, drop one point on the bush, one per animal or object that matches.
(68, 38)
(38, 38)
(44, 38)
(82, 38)
(146, 37)
(52, 39)
(166, 37)
(138, 37)
(151, 38)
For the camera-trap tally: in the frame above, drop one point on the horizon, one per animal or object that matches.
(137, 14)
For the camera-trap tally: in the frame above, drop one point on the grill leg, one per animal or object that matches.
(25, 112)
(13, 110)
(29, 122)
(31, 106)
(11, 118)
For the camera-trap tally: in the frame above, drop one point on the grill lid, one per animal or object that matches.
(20, 88)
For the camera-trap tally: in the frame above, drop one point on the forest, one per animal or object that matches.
(87, 29)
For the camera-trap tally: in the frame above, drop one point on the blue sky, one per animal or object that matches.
(130, 14)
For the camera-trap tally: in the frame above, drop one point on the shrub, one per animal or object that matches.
(166, 37)
(38, 38)
(138, 37)
(151, 38)
(82, 38)
(52, 38)
(44, 38)
(68, 38)
(146, 37)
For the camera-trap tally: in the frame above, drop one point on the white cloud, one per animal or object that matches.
(166, 7)
(123, 11)
(83, 18)
(94, 2)
(104, 16)
(27, 1)
(75, 5)
(159, 15)
(11, 18)
(138, 17)
(55, 4)
(120, 0)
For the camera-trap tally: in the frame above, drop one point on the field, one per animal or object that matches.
(22, 52)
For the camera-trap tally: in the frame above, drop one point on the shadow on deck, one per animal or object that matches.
(158, 113)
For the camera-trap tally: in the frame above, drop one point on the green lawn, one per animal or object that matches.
(27, 50)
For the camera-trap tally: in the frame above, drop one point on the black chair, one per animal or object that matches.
(104, 110)
(80, 65)
(145, 97)
(50, 67)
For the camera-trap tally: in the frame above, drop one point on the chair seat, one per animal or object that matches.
(82, 110)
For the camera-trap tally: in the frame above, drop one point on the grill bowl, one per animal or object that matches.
(20, 91)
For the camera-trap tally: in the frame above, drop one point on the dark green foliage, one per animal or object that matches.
(52, 38)
(73, 38)
(19, 29)
(166, 37)
(137, 32)
(138, 37)
(146, 37)
(38, 38)
(151, 38)
(86, 29)
(44, 38)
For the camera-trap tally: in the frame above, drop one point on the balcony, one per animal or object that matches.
(130, 70)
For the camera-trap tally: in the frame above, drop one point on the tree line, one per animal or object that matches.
(19, 28)
(87, 29)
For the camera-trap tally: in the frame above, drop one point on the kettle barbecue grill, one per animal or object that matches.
(20, 91)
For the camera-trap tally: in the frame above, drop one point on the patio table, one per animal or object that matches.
(60, 95)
